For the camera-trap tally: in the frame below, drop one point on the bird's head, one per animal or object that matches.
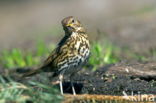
(70, 25)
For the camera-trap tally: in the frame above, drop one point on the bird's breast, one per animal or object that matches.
(82, 47)
(76, 53)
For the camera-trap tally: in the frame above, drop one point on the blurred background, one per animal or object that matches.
(127, 23)
(123, 44)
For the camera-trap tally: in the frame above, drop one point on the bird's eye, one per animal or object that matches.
(73, 21)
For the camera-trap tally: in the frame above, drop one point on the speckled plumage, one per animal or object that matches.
(71, 52)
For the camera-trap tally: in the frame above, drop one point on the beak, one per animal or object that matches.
(69, 25)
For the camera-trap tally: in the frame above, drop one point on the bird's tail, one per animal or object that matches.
(32, 72)
(28, 72)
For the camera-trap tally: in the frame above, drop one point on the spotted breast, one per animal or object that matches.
(75, 52)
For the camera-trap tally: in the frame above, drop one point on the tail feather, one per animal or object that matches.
(32, 72)
(28, 72)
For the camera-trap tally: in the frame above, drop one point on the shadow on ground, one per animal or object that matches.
(138, 78)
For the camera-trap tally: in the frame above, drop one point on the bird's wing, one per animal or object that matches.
(51, 57)
(47, 66)
(51, 63)
(54, 56)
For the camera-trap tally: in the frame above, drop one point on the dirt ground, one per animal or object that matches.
(135, 30)
(115, 79)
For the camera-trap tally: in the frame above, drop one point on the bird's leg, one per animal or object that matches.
(73, 89)
(72, 85)
(60, 81)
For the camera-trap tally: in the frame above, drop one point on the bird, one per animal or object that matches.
(70, 54)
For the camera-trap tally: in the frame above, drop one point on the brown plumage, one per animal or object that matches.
(70, 54)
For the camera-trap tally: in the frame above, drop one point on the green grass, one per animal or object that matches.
(14, 92)
(102, 53)
(16, 58)
(33, 92)
(41, 92)
(19, 58)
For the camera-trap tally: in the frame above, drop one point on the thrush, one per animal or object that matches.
(71, 53)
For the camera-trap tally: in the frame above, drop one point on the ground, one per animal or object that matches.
(111, 80)
(128, 25)
(114, 79)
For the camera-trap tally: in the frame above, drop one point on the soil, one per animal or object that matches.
(125, 29)
(115, 79)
